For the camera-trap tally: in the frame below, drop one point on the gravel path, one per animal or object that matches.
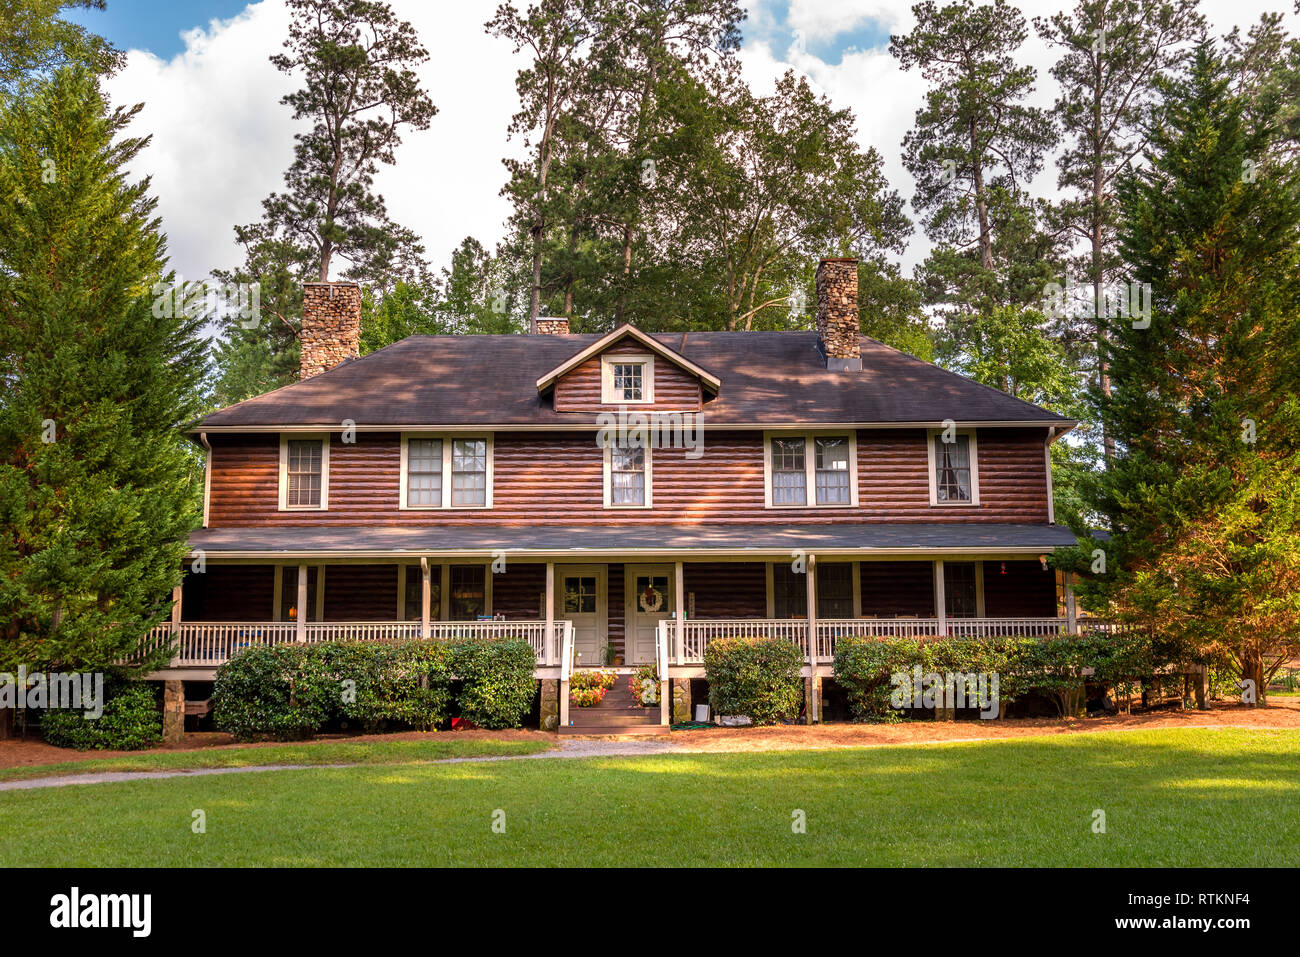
(590, 748)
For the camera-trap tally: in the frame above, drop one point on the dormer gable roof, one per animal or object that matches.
(628, 331)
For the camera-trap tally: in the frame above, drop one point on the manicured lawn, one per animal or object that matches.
(433, 748)
(1173, 797)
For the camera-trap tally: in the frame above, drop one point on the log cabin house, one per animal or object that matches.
(806, 485)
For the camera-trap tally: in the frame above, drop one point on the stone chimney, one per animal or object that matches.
(551, 326)
(837, 313)
(331, 326)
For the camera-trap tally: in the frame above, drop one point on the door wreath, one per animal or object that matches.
(651, 600)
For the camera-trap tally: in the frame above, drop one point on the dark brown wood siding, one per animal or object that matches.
(727, 589)
(229, 593)
(557, 479)
(1024, 591)
(890, 589)
(519, 592)
(675, 389)
(360, 592)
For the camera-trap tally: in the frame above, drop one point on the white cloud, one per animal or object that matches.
(222, 140)
(885, 99)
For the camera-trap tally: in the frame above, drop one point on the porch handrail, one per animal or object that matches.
(566, 652)
(698, 632)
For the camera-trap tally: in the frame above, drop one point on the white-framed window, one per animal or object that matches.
(953, 467)
(627, 379)
(446, 471)
(628, 476)
(810, 470)
(304, 472)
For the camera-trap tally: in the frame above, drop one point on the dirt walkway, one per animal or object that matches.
(1283, 713)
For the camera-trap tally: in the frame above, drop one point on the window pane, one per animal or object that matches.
(469, 472)
(424, 472)
(959, 589)
(832, 471)
(789, 484)
(835, 590)
(789, 592)
(952, 469)
(468, 592)
(627, 476)
(303, 473)
(629, 381)
(579, 595)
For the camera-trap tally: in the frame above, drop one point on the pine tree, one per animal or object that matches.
(1203, 411)
(98, 490)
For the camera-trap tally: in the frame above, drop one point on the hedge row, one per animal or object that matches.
(131, 720)
(292, 690)
(756, 677)
(1055, 667)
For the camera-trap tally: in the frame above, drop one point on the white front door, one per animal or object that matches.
(649, 600)
(580, 598)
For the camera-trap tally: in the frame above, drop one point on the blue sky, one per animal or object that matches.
(157, 25)
(153, 25)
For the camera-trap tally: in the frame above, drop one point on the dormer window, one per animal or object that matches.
(627, 379)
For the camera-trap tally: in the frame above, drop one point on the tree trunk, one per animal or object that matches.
(981, 201)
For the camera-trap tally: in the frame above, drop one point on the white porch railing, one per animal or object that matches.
(209, 643)
(699, 632)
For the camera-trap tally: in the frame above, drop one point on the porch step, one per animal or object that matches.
(619, 712)
(637, 729)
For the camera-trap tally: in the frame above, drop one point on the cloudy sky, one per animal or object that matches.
(221, 139)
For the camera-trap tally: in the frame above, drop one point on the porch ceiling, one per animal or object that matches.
(561, 541)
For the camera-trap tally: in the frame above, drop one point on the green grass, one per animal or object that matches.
(433, 748)
(1171, 797)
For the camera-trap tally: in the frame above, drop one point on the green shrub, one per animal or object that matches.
(497, 684)
(274, 691)
(131, 720)
(757, 677)
(864, 666)
(406, 681)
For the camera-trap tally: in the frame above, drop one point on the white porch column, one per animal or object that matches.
(1071, 613)
(176, 625)
(812, 695)
(302, 603)
(940, 603)
(426, 596)
(549, 640)
(679, 633)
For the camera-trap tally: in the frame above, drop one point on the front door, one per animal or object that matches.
(580, 598)
(649, 600)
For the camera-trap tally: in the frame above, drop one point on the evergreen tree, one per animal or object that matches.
(35, 41)
(360, 92)
(98, 490)
(1203, 410)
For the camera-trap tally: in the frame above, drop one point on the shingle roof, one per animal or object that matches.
(730, 539)
(767, 378)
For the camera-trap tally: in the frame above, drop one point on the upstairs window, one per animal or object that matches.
(627, 476)
(424, 472)
(811, 470)
(444, 471)
(832, 471)
(954, 471)
(627, 379)
(788, 472)
(469, 473)
(304, 472)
